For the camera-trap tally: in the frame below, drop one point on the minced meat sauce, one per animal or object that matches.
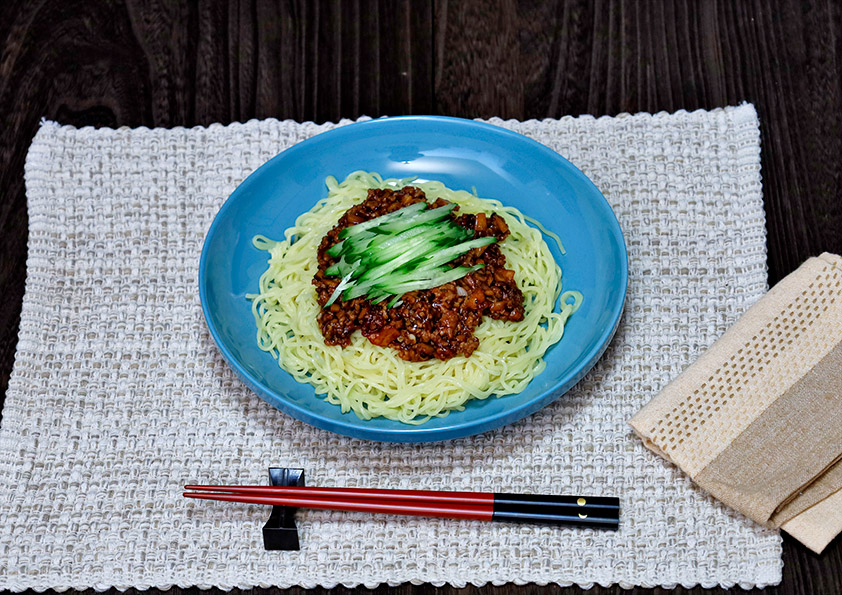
(431, 323)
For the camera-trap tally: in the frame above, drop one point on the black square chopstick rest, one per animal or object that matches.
(280, 532)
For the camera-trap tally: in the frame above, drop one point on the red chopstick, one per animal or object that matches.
(600, 512)
(352, 493)
(418, 508)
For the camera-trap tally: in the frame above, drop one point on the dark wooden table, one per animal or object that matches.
(154, 63)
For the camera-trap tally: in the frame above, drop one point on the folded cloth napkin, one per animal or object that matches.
(757, 420)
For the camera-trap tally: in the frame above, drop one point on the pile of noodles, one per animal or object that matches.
(373, 381)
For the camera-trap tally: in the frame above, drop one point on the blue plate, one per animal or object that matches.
(462, 154)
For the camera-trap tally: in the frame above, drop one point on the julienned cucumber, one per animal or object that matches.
(393, 216)
(406, 250)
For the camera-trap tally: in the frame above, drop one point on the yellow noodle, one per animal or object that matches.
(373, 381)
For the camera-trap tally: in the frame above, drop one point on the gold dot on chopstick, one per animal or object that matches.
(582, 516)
(581, 501)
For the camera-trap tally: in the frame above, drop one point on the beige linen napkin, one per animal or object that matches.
(756, 421)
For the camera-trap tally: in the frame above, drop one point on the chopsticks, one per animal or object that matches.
(578, 511)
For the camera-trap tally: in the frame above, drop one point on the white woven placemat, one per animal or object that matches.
(118, 395)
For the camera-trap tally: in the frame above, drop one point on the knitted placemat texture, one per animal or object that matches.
(119, 396)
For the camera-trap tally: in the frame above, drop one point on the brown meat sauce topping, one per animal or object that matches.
(431, 323)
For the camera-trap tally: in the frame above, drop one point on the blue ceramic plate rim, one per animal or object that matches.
(353, 426)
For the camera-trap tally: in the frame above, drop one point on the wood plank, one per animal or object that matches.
(607, 57)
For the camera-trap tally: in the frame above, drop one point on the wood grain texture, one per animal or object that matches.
(179, 63)
(558, 58)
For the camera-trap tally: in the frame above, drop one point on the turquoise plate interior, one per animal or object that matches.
(463, 154)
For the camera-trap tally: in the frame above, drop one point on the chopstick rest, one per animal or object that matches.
(598, 512)
(756, 421)
(280, 532)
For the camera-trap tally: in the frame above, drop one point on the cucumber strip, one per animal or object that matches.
(340, 288)
(336, 249)
(382, 285)
(359, 289)
(354, 245)
(380, 255)
(429, 216)
(377, 221)
(384, 241)
(454, 252)
(417, 249)
(375, 286)
(434, 261)
(387, 261)
(358, 243)
(419, 246)
(335, 270)
(451, 275)
(342, 268)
